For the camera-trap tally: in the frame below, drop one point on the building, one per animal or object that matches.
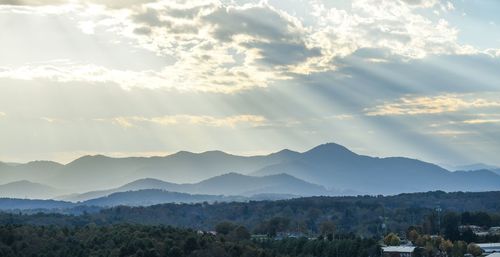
(490, 247)
(474, 228)
(260, 238)
(494, 231)
(398, 251)
(493, 255)
(477, 230)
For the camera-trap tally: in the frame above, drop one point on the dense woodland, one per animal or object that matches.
(323, 226)
(155, 241)
(363, 215)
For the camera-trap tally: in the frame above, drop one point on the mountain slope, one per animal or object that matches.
(97, 172)
(149, 197)
(140, 184)
(237, 184)
(328, 165)
(332, 165)
(475, 166)
(229, 184)
(28, 190)
(36, 171)
(29, 204)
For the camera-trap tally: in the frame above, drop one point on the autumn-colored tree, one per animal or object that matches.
(446, 246)
(413, 235)
(392, 239)
(327, 228)
(474, 249)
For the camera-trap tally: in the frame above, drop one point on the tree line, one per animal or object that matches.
(133, 240)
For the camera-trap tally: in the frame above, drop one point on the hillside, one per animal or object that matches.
(98, 172)
(361, 214)
(28, 190)
(334, 166)
(149, 197)
(229, 184)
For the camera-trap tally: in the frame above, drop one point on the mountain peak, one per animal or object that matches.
(19, 183)
(43, 164)
(330, 148)
(285, 152)
(183, 153)
(215, 153)
(147, 183)
(89, 158)
(230, 175)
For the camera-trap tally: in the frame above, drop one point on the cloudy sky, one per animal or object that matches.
(416, 78)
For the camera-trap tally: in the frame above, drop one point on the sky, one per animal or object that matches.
(414, 78)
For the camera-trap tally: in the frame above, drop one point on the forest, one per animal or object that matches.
(315, 226)
(362, 215)
(155, 241)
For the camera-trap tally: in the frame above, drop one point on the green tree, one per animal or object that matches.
(190, 245)
(225, 227)
(241, 233)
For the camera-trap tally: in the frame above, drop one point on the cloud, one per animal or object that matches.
(2, 114)
(229, 47)
(421, 3)
(64, 71)
(32, 2)
(431, 105)
(481, 121)
(202, 120)
(386, 24)
(118, 4)
(115, 4)
(452, 133)
(51, 120)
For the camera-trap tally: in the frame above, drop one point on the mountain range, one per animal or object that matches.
(231, 184)
(26, 189)
(98, 172)
(328, 169)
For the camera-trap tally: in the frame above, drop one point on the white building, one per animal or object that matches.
(494, 231)
(490, 247)
(398, 251)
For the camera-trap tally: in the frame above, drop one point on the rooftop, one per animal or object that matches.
(399, 249)
(489, 245)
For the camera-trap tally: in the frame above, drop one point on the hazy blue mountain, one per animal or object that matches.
(141, 184)
(229, 184)
(333, 165)
(476, 166)
(98, 171)
(237, 184)
(36, 171)
(28, 190)
(144, 197)
(28, 204)
(477, 180)
(330, 165)
(155, 196)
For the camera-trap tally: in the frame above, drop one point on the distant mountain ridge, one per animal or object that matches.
(143, 197)
(335, 166)
(230, 184)
(147, 197)
(332, 166)
(97, 172)
(28, 190)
